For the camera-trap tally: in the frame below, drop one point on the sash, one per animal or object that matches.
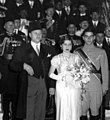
(89, 63)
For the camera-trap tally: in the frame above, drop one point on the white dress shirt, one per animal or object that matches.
(107, 40)
(58, 12)
(95, 23)
(82, 14)
(31, 3)
(67, 8)
(34, 45)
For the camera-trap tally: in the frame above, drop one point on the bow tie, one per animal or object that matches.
(82, 14)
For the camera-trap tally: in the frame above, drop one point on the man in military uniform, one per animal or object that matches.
(8, 83)
(96, 59)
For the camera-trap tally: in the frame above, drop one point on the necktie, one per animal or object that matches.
(59, 13)
(108, 41)
(68, 10)
(37, 50)
(31, 4)
(95, 25)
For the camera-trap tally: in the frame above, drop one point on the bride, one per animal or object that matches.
(68, 92)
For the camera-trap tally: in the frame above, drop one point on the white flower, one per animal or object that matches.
(76, 73)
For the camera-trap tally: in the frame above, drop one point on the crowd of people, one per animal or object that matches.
(53, 47)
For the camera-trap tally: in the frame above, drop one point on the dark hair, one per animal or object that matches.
(64, 38)
(87, 30)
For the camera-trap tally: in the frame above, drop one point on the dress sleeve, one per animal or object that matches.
(55, 61)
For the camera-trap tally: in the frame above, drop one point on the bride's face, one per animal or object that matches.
(66, 46)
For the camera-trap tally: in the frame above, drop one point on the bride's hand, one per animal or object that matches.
(61, 76)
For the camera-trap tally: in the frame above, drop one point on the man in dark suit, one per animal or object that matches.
(41, 6)
(31, 59)
(15, 6)
(59, 17)
(31, 8)
(82, 13)
(95, 24)
(107, 49)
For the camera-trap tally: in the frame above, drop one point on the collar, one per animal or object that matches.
(95, 21)
(82, 14)
(31, 2)
(99, 45)
(35, 44)
(107, 38)
(67, 7)
(58, 12)
(18, 4)
(16, 31)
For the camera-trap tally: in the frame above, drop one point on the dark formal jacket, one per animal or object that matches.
(61, 23)
(26, 54)
(106, 46)
(31, 12)
(14, 9)
(41, 7)
(99, 28)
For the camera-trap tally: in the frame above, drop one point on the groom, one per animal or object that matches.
(29, 61)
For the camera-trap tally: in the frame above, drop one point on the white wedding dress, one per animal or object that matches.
(68, 98)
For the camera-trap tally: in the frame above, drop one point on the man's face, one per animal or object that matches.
(67, 2)
(17, 23)
(107, 31)
(9, 26)
(84, 24)
(36, 35)
(82, 8)
(59, 6)
(71, 28)
(95, 16)
(88, 38)
(50, 12)
(99, 38)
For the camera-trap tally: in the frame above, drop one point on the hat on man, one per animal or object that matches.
(35, 25)
(7, 19)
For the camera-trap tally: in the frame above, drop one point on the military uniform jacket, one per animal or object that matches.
(99, 59)
(8, 82)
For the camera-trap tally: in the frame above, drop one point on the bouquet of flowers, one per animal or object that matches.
(77, 76)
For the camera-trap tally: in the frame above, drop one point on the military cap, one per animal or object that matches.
(34, 25)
